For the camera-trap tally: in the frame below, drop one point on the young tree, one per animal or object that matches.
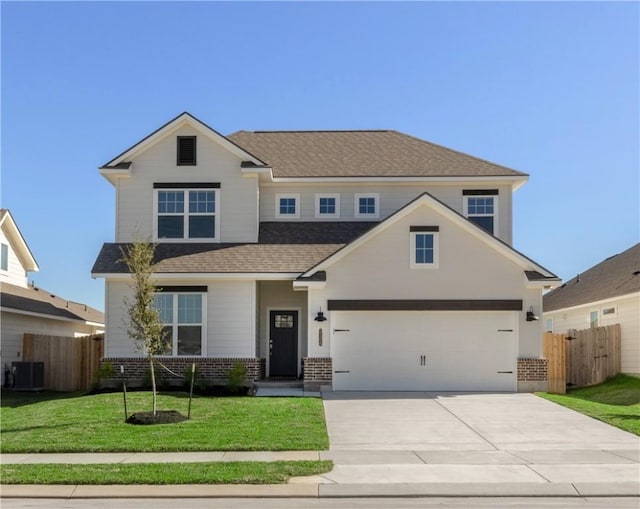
(144, 325)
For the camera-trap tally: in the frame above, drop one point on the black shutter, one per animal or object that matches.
(186, 150)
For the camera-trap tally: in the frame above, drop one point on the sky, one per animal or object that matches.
(548, 88)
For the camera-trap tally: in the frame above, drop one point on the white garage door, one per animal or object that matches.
(424, 350)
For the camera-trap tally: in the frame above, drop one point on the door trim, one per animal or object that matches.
(268, 355)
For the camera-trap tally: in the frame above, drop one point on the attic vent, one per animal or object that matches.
(186, 150)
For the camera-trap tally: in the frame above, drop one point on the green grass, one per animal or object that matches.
(51, 422)
(162, 473)
(616, 402)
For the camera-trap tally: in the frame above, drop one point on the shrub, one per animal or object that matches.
(237, 377)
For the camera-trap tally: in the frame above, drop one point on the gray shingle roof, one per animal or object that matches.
(282, 248)
(38, 300)
(613, 277)
(361, 154)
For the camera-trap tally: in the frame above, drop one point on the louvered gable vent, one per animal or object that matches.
(186, 150)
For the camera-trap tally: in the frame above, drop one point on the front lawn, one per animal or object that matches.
(616, 402)
(52, 422)
(240, 472)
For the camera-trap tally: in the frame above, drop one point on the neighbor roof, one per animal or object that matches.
(282, 248)
(361, 154)
(613, 277)
(17, 240)
(43, 302)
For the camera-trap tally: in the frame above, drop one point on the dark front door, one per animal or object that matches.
(283, 355)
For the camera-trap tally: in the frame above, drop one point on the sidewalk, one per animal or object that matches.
(566, 473)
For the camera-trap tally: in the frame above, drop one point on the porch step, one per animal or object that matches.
(279, 384)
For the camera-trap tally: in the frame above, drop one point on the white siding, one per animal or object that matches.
(392, 198)
(15, 275)
(230, 315)
(13, 326)
(238, 195)
(628, 316)
(468, 269)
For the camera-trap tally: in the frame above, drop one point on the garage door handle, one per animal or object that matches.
(342, 371)
(501, 372)
(341, 330)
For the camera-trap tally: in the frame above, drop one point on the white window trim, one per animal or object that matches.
(186, 215)
(412, 252)
(465, 209)
(336, 197)
(174, 324)
(296, 197)
(356, 208)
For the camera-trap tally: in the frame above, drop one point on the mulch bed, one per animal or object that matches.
(161, 417)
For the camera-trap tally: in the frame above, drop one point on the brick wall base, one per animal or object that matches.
(532, 374)
(318, 372)
(210, 370)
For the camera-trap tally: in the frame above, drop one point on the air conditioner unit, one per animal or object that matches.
(28, 376)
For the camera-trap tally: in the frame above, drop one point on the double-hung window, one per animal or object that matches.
(424, 247)
(187, 214)
(367, 205)
(480, 207)
(287, 206)
(327, 205)
(182, 311)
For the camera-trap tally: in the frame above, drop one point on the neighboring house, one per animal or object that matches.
(607, 293)
(27, 309)
(351, 259)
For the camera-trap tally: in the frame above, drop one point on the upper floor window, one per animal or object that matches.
(4, 257)
(367, 205)
(182, 314)
(186, 151)
(549, 325)
(187, 213)
(327, 205)
(480, 207)
(424, 247)
(593, 318)
(288, 206)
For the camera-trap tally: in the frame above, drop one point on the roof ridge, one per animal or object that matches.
(302, 131)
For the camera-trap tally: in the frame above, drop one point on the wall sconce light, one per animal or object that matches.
(320, 316)
(531, 316)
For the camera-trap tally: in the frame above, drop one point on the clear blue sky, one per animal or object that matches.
(551, 89)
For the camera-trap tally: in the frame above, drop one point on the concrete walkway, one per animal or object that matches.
(415, 444)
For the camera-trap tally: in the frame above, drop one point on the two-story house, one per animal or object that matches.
(352, 259)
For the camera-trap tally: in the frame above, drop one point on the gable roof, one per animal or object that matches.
(362, 154)
(532, 270)
(282, 248)
(122, 161)
(18, 243)
(37, 301)
(616, 276)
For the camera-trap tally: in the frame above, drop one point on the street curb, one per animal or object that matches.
(313, 490)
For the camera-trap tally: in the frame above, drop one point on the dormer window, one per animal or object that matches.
(4, 257)
(480, 207)
(186, 150)
(287, 206)
(189, 213)
(327, 205)
(367, 205)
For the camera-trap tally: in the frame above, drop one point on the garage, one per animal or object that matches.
(424, 350)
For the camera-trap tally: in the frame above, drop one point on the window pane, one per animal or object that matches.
(170, 202)
(367, 205)
(163, 302)
(168, 340)
(4, 257)
(484, 222)
(189, 340)
(201, 227)
(424, 248)
(327, 205)
(170, 227)
(287, 205)
(201, 202)
(190, 308)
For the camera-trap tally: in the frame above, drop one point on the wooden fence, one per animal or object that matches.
(582, 357)
(69, 363)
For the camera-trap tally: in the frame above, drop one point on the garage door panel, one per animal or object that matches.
(422, 350)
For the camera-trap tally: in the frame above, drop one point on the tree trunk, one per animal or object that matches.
(153, 386)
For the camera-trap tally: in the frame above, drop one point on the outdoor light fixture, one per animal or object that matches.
(320, 316)
(531, 317)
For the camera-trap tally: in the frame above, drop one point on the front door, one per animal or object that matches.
(283, 347)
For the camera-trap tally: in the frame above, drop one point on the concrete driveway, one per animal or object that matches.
(496, 442)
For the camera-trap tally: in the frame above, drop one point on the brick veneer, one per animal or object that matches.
(318, 369)
(532, 370)
(211, 369)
